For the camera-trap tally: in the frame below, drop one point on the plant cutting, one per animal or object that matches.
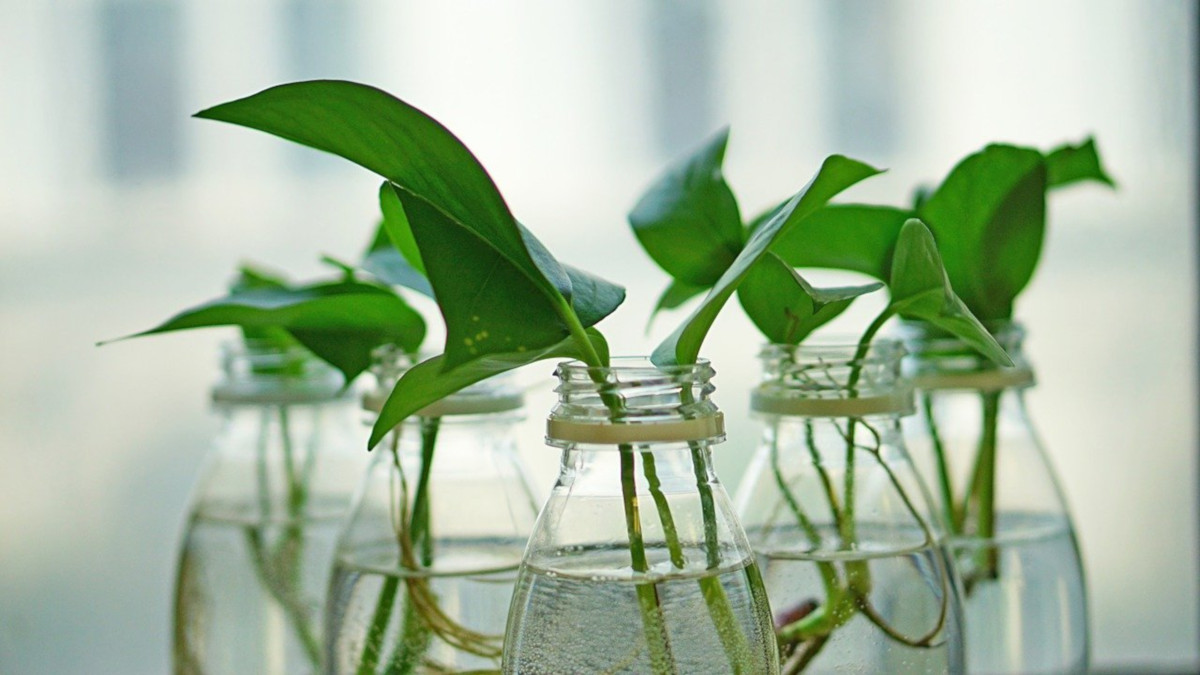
(251, 579)
(997, 492)
(427, 559)
(507, 302)
(822, 414)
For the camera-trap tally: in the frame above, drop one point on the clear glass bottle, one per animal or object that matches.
(426, 565)
(254, 566)
(637, 563)
(1024, 595)
(851, 550)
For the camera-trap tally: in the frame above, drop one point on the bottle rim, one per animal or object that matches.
(262, 372)
(813, 379)
(670, 404)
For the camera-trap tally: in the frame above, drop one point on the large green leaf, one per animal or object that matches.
(1068, 164)
(395, 140)
(836, 174)
(432, 381)
(1011, 244)
(398, 235)
(785, 307)
(339, 322)
(688, 220)
(920, 289)
(845, 236)
(995, 196)
(489, 305)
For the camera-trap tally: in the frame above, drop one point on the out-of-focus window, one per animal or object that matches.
(117, 209)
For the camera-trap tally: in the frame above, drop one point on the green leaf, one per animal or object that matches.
(785, 307)
(339, 322)
(394, 231)
(1069, 164)
(921, 289)
(250, 278)
(853, 237)
(995, 197)
(1011, 245)
(387, 265)
(397, 141)
(836, 174)
(432, 380)
(688, 221)
(490, 306)
(253, 278)
(592, 298)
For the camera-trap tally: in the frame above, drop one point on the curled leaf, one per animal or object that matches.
(785, 307)
(836, 174)
(920, 289)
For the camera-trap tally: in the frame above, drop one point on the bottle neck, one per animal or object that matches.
(634, 403)
(496, 396)
(256, 372)
(832, 380)
(938, 361)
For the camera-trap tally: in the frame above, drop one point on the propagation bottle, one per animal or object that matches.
(851, 551)
(426, 565)
(637, 563)
(254, 566)
(1024, 594)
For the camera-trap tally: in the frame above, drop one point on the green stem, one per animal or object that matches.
(733, 640)
(421, 528)
(670, 533)
(943, 467)
(280, 570)
(410, 649)
(373, 641)
(648, 601)
(985, 491)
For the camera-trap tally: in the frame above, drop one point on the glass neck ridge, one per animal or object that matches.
(262, 372)
(937, 360)
(634, 402)
(832, 380)
(494, 395)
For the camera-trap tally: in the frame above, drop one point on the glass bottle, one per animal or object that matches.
(637, 563)
(252, 574)
(426, 564)
(851, 551)
(1024, 594)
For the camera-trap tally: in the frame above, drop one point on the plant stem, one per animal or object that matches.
(280, 571)
(664, 510)
(949, 510)
(985, 488)
(373, 641)
(414, 630)
(648, 601)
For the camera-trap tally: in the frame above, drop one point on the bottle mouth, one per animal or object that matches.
(832, 377)
(497, 394)
(634, 401)
(940, 361)
(265, 372)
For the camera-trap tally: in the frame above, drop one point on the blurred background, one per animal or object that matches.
(116, 210)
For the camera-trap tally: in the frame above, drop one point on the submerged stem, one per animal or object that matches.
(950, 511)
